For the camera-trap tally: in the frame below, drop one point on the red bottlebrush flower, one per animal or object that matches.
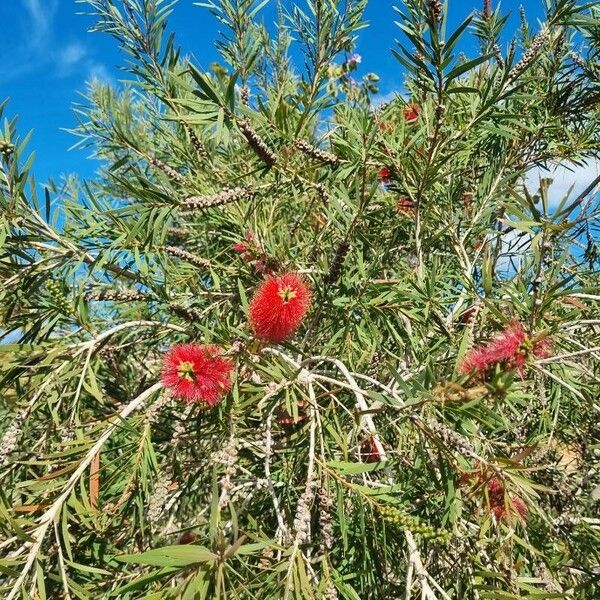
(508, 346)
(476, 361)
(495, 487)
(405, 205)
(502, 505)
(505, 509)
(240, 247)
(262, 267)
(369, 452)
(511, 348)
(411, 113)
(498, 510)
(197, 373)
(520, 507)
(278, 307)
(384, 175)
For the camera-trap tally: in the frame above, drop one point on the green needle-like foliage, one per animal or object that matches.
(431, 428)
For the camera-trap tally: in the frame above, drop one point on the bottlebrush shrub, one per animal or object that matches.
(321, 452)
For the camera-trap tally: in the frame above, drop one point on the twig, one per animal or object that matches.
(61, 564)
(361, 403)
(281, 526)
(303, 517)
(414, 558)
(560, 357)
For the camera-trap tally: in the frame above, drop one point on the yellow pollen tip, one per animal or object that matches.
(186, 370)
(287, 294)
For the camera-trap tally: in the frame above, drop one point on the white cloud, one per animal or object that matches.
(99, 72)
(41, 15)
(42, 48)
(515, 244)
(567, 179)
(380, 99)
(36, 28)
(69, 57)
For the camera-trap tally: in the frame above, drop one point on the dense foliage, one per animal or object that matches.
(413, 411)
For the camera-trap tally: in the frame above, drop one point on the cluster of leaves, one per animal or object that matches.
(342, 463)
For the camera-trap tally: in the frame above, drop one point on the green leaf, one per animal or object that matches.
(349, 468)
(463, 68)
(171, 556)
(205, 85)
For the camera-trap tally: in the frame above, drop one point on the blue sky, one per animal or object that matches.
(47, 55)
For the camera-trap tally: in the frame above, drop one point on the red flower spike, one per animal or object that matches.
(505, 509)
(369, 452)
(197, 373)
(495, 487)
(384, 175)
(510, 348)
(405, 205)
(520, 507)
(279, 306)
(498, 510)
(411, 113)
(240, 247)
